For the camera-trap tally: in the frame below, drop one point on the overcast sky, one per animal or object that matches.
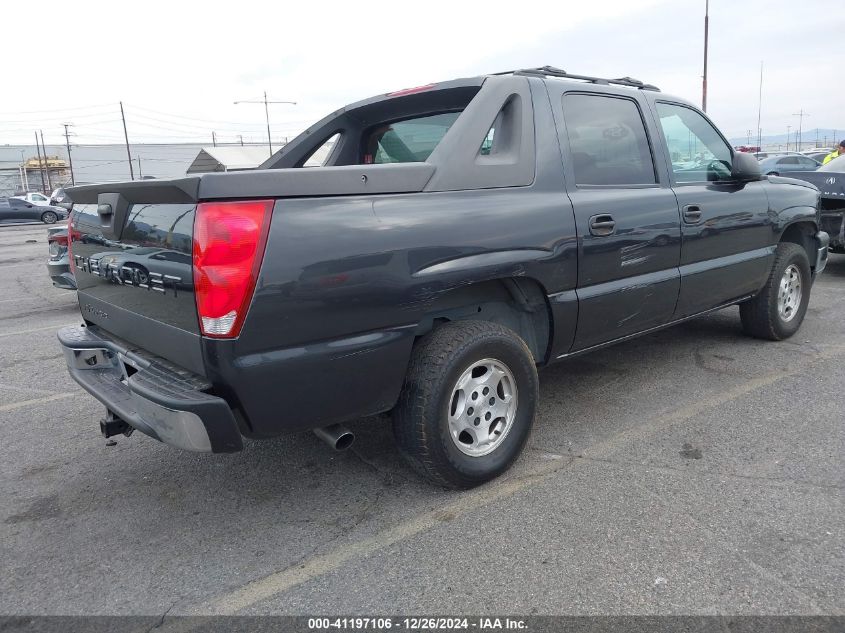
(178, 66)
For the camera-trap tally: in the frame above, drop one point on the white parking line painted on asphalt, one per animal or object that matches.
(263, 588)
(26, 403)
(23, 389)
(38, 329)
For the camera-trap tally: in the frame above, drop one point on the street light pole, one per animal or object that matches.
(706, 37)
(760, 109)
(69, 157)
(267, 115)
(788, 130)
(800, 114)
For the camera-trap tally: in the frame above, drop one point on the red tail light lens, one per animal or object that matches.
(61, 240)
(229, 242)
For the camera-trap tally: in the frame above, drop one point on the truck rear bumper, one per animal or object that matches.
(60, 275)
(150, 394)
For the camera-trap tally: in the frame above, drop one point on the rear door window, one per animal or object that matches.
(608, 141)
(407, 141)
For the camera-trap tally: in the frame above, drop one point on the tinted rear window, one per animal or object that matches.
(608, 141)
(408, 141)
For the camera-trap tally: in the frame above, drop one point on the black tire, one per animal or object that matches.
(49, 217)
(760, 316)
(420, 420)
(773, 173)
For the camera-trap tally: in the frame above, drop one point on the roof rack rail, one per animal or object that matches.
(551, 71)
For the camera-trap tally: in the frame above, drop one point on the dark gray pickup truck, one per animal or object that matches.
(830, 180)
(458, 236)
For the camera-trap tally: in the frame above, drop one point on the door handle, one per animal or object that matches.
(602, 225)
(692, 214)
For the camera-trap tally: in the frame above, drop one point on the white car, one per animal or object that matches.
(38, 199)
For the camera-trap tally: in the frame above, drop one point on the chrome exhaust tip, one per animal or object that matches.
(336, 435)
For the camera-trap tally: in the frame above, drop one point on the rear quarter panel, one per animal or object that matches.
(345, 281)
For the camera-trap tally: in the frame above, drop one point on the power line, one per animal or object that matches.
(104, 105)
(217, 122)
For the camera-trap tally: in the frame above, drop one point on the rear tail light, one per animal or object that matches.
(229, 242)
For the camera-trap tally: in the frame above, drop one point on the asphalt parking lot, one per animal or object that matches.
(694, 471)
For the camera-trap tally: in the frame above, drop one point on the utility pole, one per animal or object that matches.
(214, 138)
(749, 137)
(126, 137)
(800, 114)
(69, 157)
(46, 165)
(706, 37)
(760, 109)
(267, 114)
(40, 168)
(25, 175)
(140, 173)
(788, 128)
(241, 137)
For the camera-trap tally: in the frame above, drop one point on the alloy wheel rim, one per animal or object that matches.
(789, 293)
(482, 407)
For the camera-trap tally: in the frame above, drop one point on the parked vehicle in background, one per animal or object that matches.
(18, 209)
(817, 156)
(33, 197)
(762, 155)
(58, 264)
(830, 179)
(461, 235)
(775, 165)
(58, 196)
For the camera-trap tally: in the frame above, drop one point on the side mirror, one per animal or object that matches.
(745, 168)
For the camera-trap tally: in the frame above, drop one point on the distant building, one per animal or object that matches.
(18, 177)
(228, 158)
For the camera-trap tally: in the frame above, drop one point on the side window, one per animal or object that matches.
(608, 141)
(788, 160)
(408, 141)
(807, 162)
(697, 151)
(320, 155)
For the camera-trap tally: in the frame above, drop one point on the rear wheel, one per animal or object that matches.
(777, 311)
(468, 403)
(49, 217)
(773, 173)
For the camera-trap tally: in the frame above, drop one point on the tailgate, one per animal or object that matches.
(131, 249)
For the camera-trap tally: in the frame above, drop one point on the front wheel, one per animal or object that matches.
(777, 311)
(468, 403)
(49, 217)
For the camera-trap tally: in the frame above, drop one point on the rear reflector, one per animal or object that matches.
(229, 242)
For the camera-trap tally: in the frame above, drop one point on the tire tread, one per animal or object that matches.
(422, 385)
